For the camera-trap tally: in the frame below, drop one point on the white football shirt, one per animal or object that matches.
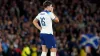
(45, 18)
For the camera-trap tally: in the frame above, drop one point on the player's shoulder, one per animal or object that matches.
(45, 12)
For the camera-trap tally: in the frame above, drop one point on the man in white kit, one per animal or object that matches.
(46, 31)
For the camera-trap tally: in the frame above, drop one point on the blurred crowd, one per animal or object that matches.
(19, 37)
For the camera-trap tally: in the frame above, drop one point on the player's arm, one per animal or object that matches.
(56, 19)
(53, 16)
(35, 22)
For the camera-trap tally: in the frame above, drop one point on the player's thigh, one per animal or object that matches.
(53, 49)
(50, 41)
(44, 48)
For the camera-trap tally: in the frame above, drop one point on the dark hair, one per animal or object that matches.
(47, 3)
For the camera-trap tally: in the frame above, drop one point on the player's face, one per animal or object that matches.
(50, 7)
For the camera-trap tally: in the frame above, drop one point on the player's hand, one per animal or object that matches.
(52, 9)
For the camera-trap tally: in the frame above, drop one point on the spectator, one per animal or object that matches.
(76, 17)
(26, 51)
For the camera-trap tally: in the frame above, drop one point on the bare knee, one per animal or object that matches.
(44, 48)
(53, 50)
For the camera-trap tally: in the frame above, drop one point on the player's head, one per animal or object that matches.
(48, 5)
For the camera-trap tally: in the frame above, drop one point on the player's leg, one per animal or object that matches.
(53, 51)
(51, 43)
(44, 50)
